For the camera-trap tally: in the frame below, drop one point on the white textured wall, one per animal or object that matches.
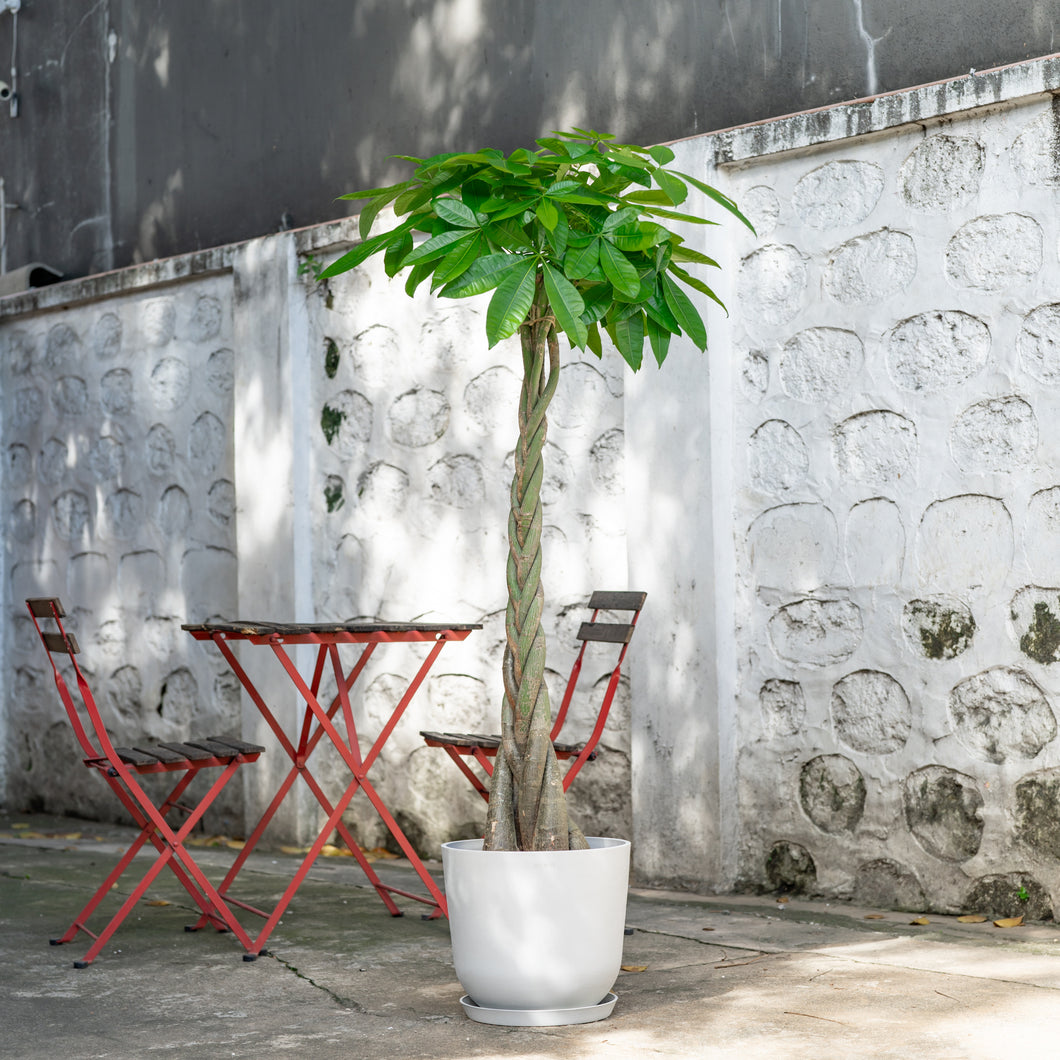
(119, 499)
(166, 461)
(895, 344)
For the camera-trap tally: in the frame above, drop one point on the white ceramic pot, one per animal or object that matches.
(537, 935)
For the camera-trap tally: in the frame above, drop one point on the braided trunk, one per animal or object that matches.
(527, 809)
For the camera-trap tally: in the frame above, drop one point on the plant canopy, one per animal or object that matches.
(570, 238)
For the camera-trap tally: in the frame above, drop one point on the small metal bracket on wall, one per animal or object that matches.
(9, 91)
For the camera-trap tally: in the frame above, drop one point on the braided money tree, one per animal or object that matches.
(568, 239)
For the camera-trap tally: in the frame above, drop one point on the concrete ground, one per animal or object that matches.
(718, 976)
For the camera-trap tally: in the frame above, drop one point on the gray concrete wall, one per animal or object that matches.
(153, 129)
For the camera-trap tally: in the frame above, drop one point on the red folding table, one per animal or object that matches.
(317, 722)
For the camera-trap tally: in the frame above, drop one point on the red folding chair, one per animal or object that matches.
(119, 767)
(483, 748)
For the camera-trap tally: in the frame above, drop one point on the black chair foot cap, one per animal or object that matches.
(55, 942)
(81, 964)
(398, 913)
(628, 931)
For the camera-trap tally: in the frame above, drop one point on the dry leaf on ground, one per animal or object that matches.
(329, 850)
(158, 902)
(634, 967)
(874, 916)
(920, 921)
(379, 854)
(1009, 921)
(971, 918)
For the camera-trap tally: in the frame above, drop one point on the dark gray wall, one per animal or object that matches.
(154, 127)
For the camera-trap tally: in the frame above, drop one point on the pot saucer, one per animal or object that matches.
(541, 1017)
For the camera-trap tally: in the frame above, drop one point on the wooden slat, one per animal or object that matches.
(136, 757)
(460, 739)
(160, 754)
(218, 750)
(41, 606)
(617, 601)
(241, 746)
(571, 750)
(606, 632)
(189, 751)
(54, 642)
(260, 628)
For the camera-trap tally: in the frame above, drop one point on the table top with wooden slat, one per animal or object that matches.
(259, 631)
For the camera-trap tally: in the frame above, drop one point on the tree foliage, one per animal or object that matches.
(582, 213)
(570, 239)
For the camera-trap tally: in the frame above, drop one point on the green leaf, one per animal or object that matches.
(662, 154)
(511, 302)
(598, 299)
(352, 258)
(437, 246)
(659, 337)
(638, 237)
(648, 198)
(581, 261)
(483, 275)
(628, 336)
(676, 189)
(618, 269)
(685, 312)
(412, 198)
(547, 214)
(696, 284)
(684, 253)
(458, 260)
(718, 197)
(577, 192)
(618, 219)
(567, 305)
(394, 256)
(593, 342)
(558, 237)
(456, 213)
(417, 274)
(674, 215)
(371, 193)
(371, 210)
(509, 234)
(659, 311)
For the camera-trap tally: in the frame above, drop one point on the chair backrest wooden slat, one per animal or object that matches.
(606, 632)
(42, 607)
(606, 600)
(55, 642)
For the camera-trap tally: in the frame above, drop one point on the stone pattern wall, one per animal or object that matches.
(897, 516)
(120, 483)
(119, 499)
(414, 426)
